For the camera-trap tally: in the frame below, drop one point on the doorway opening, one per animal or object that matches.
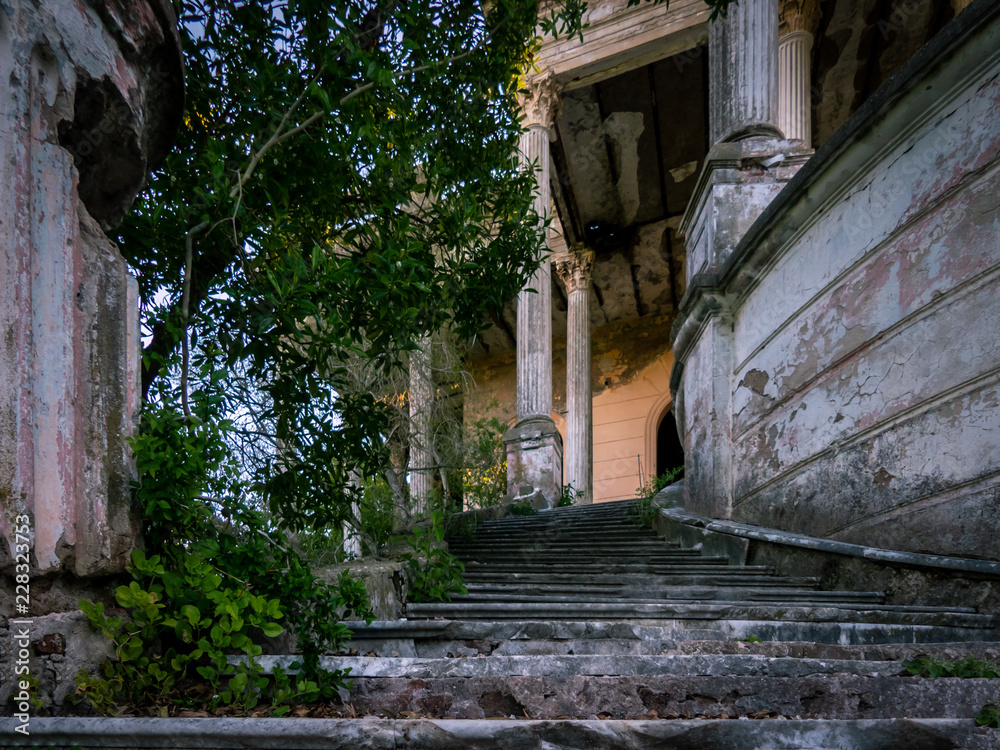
(669, 451)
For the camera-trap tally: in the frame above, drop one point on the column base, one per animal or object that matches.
(737, 183)
(534, 460)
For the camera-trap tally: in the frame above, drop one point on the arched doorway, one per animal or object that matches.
(669, 451)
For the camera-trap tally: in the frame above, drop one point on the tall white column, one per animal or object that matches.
(575, 270)
(794, 105)
(743, 71)
(534, 308)
(421, 437)
(534, 450)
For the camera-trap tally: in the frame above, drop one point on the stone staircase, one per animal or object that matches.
(597, 563)
(581, 616)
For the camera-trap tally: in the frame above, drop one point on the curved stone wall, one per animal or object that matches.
(840, 375)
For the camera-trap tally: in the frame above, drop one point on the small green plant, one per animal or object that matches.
(435, 574)
(644, 510)
(750, 639)
(969, 667)
(989, 717)
(522, 508)
(569, 496)
(34, 685)
(183, 627)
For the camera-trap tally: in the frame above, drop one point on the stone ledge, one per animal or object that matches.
(376, 734)
(776, 536)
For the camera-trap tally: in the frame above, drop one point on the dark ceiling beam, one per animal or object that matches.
(663, 193)
(563, 195)
(603, 113)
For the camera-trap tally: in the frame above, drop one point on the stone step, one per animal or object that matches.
(549, 557)
(592, 546)
(602, 541)
(722, 576)
(624, 697)
(470, 637)
(816, 600)
(676, 593)
(542, 520)
(698, 565)
(599, 665)
(375, 733)
(658, 643)
(625, 610)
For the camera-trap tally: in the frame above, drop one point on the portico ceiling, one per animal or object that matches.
(632, 136)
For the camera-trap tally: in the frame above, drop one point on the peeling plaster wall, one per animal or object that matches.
(865, 360)
(630, 373)
(90, 98)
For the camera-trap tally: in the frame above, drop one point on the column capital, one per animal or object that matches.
(575, 267)
(541, 100)
(798, 15)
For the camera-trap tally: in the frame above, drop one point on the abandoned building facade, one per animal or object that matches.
(774, 260)
(776, 236)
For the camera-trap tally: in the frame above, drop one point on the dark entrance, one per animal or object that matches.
(669, 451)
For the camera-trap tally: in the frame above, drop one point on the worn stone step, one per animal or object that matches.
(619, 665)
(687, 591)
(586, 599)
(659, 646)
(722, 576)
(676, 593)
(502, 734)
(625, 610)
(594, 546)
(579, 557)
(825, 696)
(697, 565)
(655, 636)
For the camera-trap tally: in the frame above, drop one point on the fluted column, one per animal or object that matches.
(575, 271)
(534, 308)
(794, 108)
(743, 71)
(534, 449)
(421, 439)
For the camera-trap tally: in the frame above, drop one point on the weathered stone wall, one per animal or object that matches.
(843, 373)
(90, 99)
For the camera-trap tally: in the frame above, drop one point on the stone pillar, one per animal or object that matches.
(747, 166)
(743, 71)
(534, 450)
(794, 103)
(421, 436)
(352, 536)
(90, 99)
(575, 271)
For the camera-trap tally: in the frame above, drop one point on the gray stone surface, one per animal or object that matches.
(810, 343)
(843, 633)
(386, 734)
(61, 645)
(835, 696)
(598, 665)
